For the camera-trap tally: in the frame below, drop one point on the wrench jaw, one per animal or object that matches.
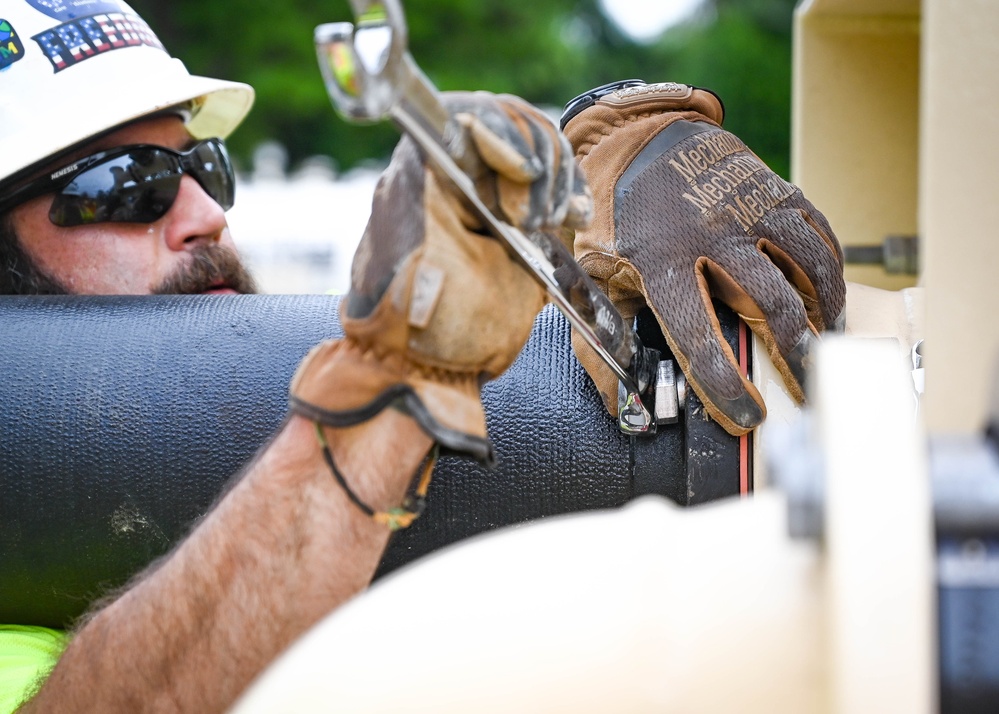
(633, 418)
(371, 77)
(363, 66)
(356, 95)
(638, 404)
(338, 64)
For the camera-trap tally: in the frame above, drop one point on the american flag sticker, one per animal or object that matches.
(77, 40)
(11, 49)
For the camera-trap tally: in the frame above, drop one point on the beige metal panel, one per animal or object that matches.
(959, 208)
(855, 120)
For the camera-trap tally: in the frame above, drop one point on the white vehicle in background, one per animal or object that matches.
(300, 248)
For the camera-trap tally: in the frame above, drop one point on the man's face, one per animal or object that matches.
(188, 250)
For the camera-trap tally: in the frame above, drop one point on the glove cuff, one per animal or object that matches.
(340, 384)
(634, 97)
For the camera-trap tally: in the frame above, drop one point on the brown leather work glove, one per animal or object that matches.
(436, 307)
(685, 212)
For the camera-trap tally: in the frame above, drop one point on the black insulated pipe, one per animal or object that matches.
(124, 417)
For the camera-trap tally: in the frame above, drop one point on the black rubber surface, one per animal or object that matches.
(123, 418)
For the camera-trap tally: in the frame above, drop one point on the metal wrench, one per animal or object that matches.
(370, 76)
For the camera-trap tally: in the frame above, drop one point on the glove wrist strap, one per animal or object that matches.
(405, 399)
(394, 518)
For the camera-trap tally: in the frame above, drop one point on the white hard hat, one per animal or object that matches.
(74, 69)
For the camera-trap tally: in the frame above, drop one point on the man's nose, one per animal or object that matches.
(194, 219)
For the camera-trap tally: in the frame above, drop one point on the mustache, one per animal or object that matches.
(211, 266)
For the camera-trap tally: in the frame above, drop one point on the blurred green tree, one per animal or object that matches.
(546, 51)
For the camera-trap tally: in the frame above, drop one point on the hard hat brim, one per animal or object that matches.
(215, 107)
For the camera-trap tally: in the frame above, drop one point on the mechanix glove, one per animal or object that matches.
(684, 212)
(436, 306)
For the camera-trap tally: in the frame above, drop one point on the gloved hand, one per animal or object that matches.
(685, 212)
(436, 307)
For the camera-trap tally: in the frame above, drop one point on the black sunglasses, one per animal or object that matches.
(129, 184)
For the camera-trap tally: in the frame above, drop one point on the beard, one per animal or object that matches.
(19, 274)
(211, 266)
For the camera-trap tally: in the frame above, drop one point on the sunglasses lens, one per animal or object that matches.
(209, 163)
(140, 185)
(136, 187)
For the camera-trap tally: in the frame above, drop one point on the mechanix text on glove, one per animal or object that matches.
(684, 212)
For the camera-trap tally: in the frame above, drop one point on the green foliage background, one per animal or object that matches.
(546, 51)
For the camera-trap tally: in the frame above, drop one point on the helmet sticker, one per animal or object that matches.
(11, 49)
(77, 40)
(74, 9)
